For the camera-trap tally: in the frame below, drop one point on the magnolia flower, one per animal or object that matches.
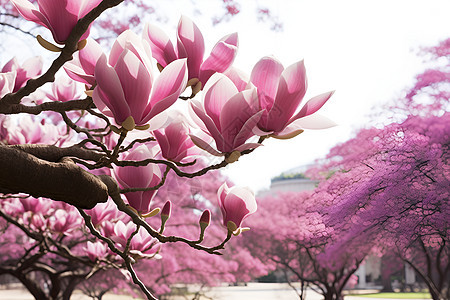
(227, 115)
(174, 140)
(142, 244)
(236, 204)
(141, 177)
(32, 67)
(190, 45)
(64, 89)
(280, 93)
(65, 221)
(35, 205)
(127, 91)
(59, 17)
(97, 250)
(82, 68)
(102, 212)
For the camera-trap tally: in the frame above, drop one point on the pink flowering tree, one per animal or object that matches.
(395, 179)
(97, 145)
(296, 236)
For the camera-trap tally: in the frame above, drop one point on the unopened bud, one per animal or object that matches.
(165, 214)
(205, 218)
(167, 208)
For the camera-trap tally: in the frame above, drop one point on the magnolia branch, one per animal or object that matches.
(46, 171)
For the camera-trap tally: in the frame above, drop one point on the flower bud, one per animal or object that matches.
(205, 219)
(167, 208)
(165, 214)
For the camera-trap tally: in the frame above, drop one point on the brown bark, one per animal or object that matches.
(21, 172)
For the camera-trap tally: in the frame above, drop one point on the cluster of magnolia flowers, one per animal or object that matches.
(141, 77)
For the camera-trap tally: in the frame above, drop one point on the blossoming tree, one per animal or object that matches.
(106, 152)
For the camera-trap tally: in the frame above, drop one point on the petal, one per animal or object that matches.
(313, 105)
(204, 145)
(89, 55)
(167, 88)
(191, 38)
(291, 89)
(233, 116)
(220, 59)
(131, 41)
(30, 12)
(248, 146)
(315, 121)
(266, 75)
(239, 78)
(77, 73)
(247, 196)
(221, 195)
(109, 90)
(86, 6)
(7, 81)
(210, 126)
(247, 130)
(136, 83)
(33, 66)
(232, 39)
(216, 97)
(162, 141)
(162, 48)
(62, 18)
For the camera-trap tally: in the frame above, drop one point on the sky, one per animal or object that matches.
(367, 51)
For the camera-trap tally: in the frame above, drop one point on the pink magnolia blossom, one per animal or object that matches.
(65, 221)
(128, 90)
(82, 68)
(236, 204)
(122, 232)
(35, 205)
(227, 115)
(174, 140)
(64, 89)
(32, 67)
(102, 212)
(280, 93)
(60, 17)
(190, 45)
(97, 250)
(139, 177)
(142, 244)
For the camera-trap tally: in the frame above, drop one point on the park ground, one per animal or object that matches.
(253, 291)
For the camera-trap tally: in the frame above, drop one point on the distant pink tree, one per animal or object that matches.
(295, 235)
(398, 176)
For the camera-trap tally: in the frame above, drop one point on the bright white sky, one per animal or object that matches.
(365, 50)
